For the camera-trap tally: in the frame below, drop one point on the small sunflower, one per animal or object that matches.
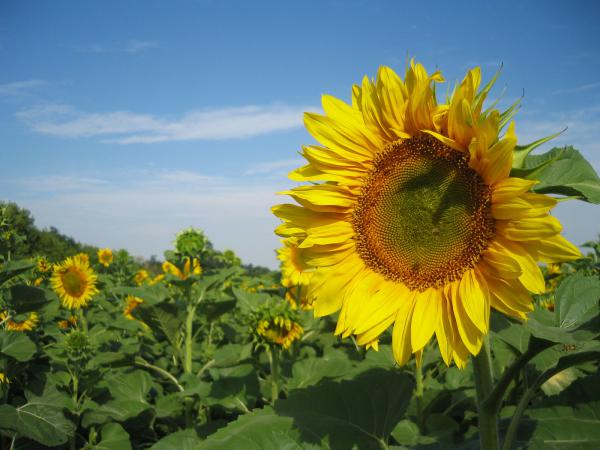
(3, 378)
(43, 265)
(132, 303)
(24, 325)
(70, 322)
(74, 282)
(105, 256)
(279, 330)
(140, 277)
(190, 267)
(412, 218)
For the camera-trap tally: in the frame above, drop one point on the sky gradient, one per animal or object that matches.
(123, 122)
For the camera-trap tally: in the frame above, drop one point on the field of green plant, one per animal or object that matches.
(204, 353)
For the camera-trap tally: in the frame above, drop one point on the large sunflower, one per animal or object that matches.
(416, 221)
(74, 282)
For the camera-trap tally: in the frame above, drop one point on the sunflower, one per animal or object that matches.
(105, 256)
(74, 282)
(279, 330)
(3, 378)
(141, 276)
(189, 268)
(43, 265)
(412, 218)
(132, 303)
(24, 325)
(70, 322)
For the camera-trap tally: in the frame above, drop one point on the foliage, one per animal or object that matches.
(187, 368)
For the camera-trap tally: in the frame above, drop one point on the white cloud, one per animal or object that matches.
(130, 46)
(20, 88)
(269, 167)
(125, 127)
(577, 89)
(143, 211)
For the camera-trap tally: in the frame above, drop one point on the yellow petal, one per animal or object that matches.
(425, 317)
(475, 299)
(401, 344)
(555, 249)
(529, 228)
(532, 277)
(523, 206)
(500, 157)
(469, 334)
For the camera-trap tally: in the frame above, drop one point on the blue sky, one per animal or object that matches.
(123, 122)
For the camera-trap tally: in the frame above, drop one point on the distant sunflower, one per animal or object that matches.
(190, 267)
(105, 256)
(24, 325)
(74, 282)
(140, 277)
(132, 303)
(70, 322)
(3, 378)
(43, 265)
(416, 221)
(279, 330)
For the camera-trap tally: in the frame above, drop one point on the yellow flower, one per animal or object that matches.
(43, 265)
(140, 276)
(170, 268)
(279, 330)
(38, 281)
(295, 273)
(25, 325)
(105, 256)
(3, 378)
(412, 218)
(132, 303)
(71, 321)
(74, 282)
(157, 279)
(83, 257)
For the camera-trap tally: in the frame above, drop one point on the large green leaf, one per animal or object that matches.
(577, 299)
(233, 387)
(351, 414)
(166, 317)
(180, 440)
(24, 299)
(554, 425)
(16, 345)
(13, 268)
(113, 437)
(40, 419)
(562, 171)
(541, 325)
(309, 371)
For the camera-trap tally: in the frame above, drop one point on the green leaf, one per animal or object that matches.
(150, 294)
(16, 345)
(562, 171)
(234, 387)
(24, 299)
(541, 325)
(180, 440)
(511, 332)
(577, 300)
(13, 268)
(553, 425)
(359, 413)
(309, 371)
(41, 418)
(166, 317)
(114, 437)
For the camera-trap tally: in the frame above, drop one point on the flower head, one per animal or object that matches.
(141, 276)
(191, 266)
(19, 325)
(412, 218)
(74, 282)
(105, 256)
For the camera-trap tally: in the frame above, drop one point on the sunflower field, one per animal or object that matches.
(426, 299)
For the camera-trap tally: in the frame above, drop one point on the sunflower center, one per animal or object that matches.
(423, 217)
(73, 282)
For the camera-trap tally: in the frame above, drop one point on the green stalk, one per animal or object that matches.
(187, 362)
(274, 366)
(419, 396)
(488, 417)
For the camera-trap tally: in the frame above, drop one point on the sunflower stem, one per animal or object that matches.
(274, 366)
(484, 384)
(419, 396)
(187, 362)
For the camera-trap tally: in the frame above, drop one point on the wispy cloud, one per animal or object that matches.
(125, 127)
(142, 210)
(577, 89)
(130, 46)
(20, 88)
(269, 167)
